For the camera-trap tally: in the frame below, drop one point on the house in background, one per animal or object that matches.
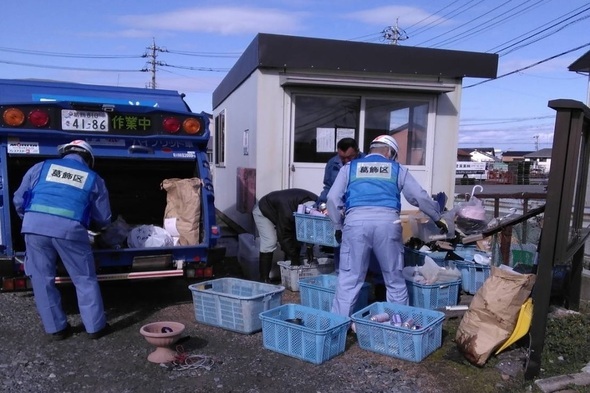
(480, 153)
(514, 156)
(463, 155)
(473, 164)
(288, 100)
(541, 160)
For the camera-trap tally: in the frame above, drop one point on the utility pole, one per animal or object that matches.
(152, 62)
(536, 138)
(394, 34)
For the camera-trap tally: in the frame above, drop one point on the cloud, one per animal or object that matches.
(385, 16)
(218, 20)
(128, 33)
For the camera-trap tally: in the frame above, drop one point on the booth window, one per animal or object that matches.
(405, 120)
(220, 133)
(322, 120)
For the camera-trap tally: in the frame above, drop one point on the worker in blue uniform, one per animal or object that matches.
(347, 149)
(364, 204)
(57, 201)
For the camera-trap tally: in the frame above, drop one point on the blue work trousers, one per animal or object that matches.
(365, 232)
(40, 265)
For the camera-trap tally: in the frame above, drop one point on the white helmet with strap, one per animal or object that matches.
(386, 140)
(78, 146)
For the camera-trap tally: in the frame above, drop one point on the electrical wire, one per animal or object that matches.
(66, 68)
(204, 54)
(529, 66)
(490, 23)
(441, 19)
(162, 64)
(545, 33)
(431, 15)
(69, 55)
(473, 20)
(500, 47)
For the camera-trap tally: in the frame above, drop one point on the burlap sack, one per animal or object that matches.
(183, 204)
(492, 314)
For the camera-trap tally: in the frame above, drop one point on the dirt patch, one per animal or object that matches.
(117, 362)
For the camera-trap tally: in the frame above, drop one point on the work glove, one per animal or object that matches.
(442, 225)
(338, 236)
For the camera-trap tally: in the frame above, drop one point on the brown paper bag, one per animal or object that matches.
(492, 314)
(183, 205)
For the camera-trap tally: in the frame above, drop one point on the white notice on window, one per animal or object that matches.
(344, 133)
(325, 140)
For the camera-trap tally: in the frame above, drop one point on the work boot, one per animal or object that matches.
(265, 266)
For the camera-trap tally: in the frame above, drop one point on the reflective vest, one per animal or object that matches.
(372, 181)
(63, 190)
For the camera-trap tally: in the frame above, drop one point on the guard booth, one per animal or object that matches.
(285, 104)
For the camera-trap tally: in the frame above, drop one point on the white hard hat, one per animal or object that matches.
(386, 140)
(77, 146)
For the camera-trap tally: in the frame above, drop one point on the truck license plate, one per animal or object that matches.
(84, 120)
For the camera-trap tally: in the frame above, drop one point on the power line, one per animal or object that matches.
(441, 19)
(545, 32)
(530, 66)
(541, 27)
(473, 20)
(210, 69)
(69, 55)
(490, 23)
(206, 54)
(65, 68)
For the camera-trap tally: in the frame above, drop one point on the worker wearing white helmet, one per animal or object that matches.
(57, 200)
(368, 191)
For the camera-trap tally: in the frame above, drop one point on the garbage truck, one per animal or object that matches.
(140, 138)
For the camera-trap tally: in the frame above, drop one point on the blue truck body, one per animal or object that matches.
(139, 136)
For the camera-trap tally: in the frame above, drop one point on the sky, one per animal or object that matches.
(193, 44)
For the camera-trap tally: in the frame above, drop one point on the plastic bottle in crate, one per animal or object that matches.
(408, 324)
(381, 317)
(396, 320)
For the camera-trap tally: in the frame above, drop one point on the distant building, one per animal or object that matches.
(463, 155)
(541, 160)
(472, 164)
(488, 151)
(513, 156)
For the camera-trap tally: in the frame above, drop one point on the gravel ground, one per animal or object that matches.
(29, 362)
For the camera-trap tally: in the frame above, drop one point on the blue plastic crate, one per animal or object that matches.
(315, 230)
(318, 292)
(234, 304)
(433, 296)
(416, 258)
(399, 342)
(473, 275)
(303, 332)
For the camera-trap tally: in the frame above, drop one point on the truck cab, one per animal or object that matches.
(140, 137)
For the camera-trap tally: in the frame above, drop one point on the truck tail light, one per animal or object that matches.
(16, 284)
(191, 126)
(171, 125)
(38, 118)
(13, 117)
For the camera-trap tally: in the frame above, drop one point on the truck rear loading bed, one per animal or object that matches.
(136, 147)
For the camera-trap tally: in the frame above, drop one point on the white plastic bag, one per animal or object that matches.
(149, 236)
(431, 273)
